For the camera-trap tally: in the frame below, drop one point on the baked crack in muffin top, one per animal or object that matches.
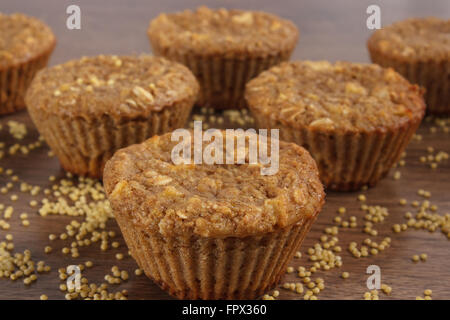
(206, 31)
(414, 39)
(342, 96)
(22, 38)
(211, 200)
(124, 86)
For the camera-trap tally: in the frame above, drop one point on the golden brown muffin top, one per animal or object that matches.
(218, 200)
(208, 32)
(342, 96)
(126, 86)
(22, 38)
(414, 39)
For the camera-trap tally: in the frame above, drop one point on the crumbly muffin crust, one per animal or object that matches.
(211, 200)
(23, 38)
(416, 39)
(122, 87)
(208, 32)
(348, 97)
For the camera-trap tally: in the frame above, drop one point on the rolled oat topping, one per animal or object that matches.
(207, 31)
(125, 86)
(22, 38)
(211, 200)
(417, 39)
(341, 96)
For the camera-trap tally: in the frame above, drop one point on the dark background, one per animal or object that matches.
(333, 30)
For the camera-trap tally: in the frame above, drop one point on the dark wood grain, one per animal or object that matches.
(329, 30)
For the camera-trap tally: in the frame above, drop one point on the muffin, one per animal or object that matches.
(212, 231)
(87, 109)
(223, 48)
(355, 119)
(419, 49)
(25, 47)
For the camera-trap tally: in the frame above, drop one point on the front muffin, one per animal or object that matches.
(26, 44)
(87, 109)
(217, 231)
(419, 49)
(354, 119)
(223, 48)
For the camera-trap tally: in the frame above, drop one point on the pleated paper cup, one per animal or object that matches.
(222, 79)
(348, 161)
(433, 75)
(15, 80)
(83, 145)
(194, 267)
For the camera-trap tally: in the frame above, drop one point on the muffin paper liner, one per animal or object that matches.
(15, 80)
(222, 79)
(433, 75)
(193, 267)
(348, 161)
(83, 146)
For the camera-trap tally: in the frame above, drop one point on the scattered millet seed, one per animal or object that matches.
(345, 275)
(386, 289)
(119, 256)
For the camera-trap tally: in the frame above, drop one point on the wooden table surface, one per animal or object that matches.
(329, 30)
